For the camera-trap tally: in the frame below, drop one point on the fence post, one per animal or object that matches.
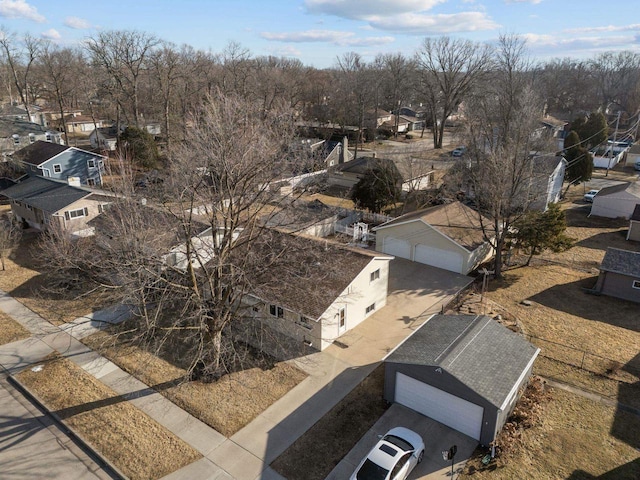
(582, 363)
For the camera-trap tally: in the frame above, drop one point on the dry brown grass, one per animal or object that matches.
(136, 444)
(238, 397)
(319, 450)
(329, 200)
(25, 279)
(10, 330)
(577, 439)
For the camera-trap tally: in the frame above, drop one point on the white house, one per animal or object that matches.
(616, 201)
(547, 179)
(447, 236)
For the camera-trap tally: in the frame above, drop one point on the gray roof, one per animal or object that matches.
(482, 354)
(39, 152)
(9, 127)
(624, 262)
(45, 194)
(632, 188)
(635, 216)
(361, 165)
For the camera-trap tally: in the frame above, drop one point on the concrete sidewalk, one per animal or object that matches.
(246, 455)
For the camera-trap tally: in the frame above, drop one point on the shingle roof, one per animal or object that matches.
(482, 354)
(9, 127)
(303, 275)
(455, 220)
(632, 188)
(546, 163)
(635, 216)
(624, 262)
(45, 194)
(39, 152)
(363, 164)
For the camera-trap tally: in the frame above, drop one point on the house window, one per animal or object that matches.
(304, 322)
(16, 139)
(91, 163)
(57, 168)
(48, 137)
(71, 214)
(32, 138)
(636, 284)
(276, 311)
(91, 182)
(375, 275)
(370, 308)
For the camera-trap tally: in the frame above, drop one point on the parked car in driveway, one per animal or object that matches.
(393, 458)
(458, 152)
(588, 197)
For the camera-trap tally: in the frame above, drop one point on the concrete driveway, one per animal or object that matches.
(437, 438)
(416, 292)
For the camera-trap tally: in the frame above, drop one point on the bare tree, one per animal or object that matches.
(188, 261)
(124, 56)
(503, 130)
(20, 58)
(449, 69)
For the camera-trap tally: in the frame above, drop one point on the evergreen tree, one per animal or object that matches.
(593, 129)
(378, 187)
(141, 147)
(580, 161)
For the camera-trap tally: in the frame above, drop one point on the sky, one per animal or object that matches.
(317, 32)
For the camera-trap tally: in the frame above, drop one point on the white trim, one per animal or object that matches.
(520, 378)
(54, 167)
(633, 284)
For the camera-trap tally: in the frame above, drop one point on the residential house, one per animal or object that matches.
(546, 180)
(15, 134)
(61, 162)
(104, 138)
(556, 128)
(4, 184)
(447, 236)
(41, 203)
(402, 124)
(320, 292)
(464, 371)
(18, 112)
(81, 124)
(634, 225)
(349, 173)
(620, 275)
(633, 155)
(616, 201)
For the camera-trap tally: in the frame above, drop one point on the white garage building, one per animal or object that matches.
(447, 236)
(616, 201)
(464, 371)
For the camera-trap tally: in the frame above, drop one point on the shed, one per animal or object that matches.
(616, 201)
(634, 225)
(620, 275)
(447, 236)
(464, 371)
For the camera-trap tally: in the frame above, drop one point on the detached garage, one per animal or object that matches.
(464, 371)
(447, 236)
(616, 201)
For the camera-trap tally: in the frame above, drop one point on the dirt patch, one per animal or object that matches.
(238, 397)
(321, 448)
(10, 330)
(136, 444)
(576, 438)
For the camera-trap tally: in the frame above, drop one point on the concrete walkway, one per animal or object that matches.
(246, 455)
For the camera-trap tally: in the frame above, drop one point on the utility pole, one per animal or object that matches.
(615, 136)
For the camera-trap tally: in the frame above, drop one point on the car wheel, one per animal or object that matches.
(421, 456)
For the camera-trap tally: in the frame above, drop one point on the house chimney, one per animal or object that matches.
(73, 181)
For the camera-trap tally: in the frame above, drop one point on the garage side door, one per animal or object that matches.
(455, 412)
(397, 247)
(437, 257)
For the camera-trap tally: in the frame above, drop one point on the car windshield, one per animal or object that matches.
(398, 442)
(371, 471)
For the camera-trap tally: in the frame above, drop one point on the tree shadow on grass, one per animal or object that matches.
(626, 424)
(628, 471)
(571, 298)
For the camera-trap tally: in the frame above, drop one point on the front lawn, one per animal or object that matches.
(10, 330)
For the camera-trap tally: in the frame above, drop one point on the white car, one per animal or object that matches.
(588, 197)
(393, 458)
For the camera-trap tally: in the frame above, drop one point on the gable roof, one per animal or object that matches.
(547, 163)
(10, 126)
(635, 216)
(482, 354)
(455, 220)
(631, 188)
(361, 165)
(624, 262)
(45, 194)
(302, 274)
(39, 152)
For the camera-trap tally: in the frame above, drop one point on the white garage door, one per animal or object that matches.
(397, 247)
(466, 417)
(437, 257)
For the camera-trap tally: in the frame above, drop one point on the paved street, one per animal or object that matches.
(31, 446)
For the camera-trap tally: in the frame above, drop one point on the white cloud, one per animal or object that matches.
(609, 28)
(330, 36)
(77, 23)
(552, 45)
(535, 2)
(51, 34)
(420, 24)
(362, 9)
(20, 9)
(286, 51)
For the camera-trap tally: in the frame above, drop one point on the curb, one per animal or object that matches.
(105, 464)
